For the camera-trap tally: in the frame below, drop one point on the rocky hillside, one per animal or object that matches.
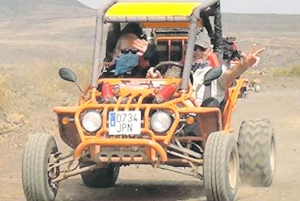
(40, 18)
(43, 8)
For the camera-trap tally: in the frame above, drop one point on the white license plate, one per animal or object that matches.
(124, 123)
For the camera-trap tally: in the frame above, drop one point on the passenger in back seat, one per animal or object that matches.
(215, 32)
(116, 30)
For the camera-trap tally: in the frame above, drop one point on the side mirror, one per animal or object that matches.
(67, 75)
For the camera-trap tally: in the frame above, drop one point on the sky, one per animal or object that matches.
(242, 6)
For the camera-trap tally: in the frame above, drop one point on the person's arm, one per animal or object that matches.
(215, 33)
(153, 74)
(218, 35)
(240, 66)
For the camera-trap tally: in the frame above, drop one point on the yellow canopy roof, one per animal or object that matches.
(150, 11)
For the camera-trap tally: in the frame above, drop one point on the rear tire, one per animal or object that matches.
(221, 167)
(100, 178)
(257, 150)
(35, 179)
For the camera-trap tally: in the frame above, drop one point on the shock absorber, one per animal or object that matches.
(107, 93)
(165, 93)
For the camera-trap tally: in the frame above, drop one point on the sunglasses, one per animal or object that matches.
(127, 50)
(202, 49)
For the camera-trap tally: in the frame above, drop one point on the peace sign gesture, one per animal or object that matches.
(251, 59)
(240, 66)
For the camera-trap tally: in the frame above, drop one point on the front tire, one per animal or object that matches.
(35, 176)
(257, 150)
(221, 167)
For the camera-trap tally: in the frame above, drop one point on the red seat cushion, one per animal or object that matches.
(213, 59)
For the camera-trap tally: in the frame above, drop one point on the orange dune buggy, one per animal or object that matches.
(120, 122)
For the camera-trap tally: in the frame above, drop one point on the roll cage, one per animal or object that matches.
(152, 14)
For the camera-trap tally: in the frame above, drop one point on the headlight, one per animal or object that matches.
(91, 121)
(160, 121)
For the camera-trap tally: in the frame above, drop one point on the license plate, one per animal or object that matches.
(124, 123)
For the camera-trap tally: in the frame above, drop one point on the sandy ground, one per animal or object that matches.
(70, 40)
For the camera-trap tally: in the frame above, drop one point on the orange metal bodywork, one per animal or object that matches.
(136, 91)
(233, 94)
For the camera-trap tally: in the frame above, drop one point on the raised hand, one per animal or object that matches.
(240, 66)
(251, 59)
(141, 45)
(153, 74)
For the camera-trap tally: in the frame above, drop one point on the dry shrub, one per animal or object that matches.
(294, 71)
(6, 94)
(39, 86)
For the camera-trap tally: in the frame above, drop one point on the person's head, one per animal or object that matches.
(202, 46)
(125, 44)
(125, 55)
(126, 50)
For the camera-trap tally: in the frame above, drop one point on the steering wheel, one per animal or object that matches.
(163, 66)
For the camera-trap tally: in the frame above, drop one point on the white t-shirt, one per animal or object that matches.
(217, 91)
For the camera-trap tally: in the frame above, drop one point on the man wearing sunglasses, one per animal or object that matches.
(203, 52)
(210, 84)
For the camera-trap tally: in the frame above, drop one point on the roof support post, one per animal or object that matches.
(191, 41)
(99, 40)
(189, 53)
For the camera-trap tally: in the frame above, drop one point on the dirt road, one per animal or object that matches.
(277, 101)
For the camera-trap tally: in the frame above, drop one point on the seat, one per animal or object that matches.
(213, 59)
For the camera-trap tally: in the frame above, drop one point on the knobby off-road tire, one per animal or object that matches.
(34, 168)
(257, 150)
(221, 167)
(100, 178)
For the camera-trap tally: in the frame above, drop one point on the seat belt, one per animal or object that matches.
(212, 74)
(207, 91)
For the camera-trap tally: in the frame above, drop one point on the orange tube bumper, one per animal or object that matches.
(122, 142)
